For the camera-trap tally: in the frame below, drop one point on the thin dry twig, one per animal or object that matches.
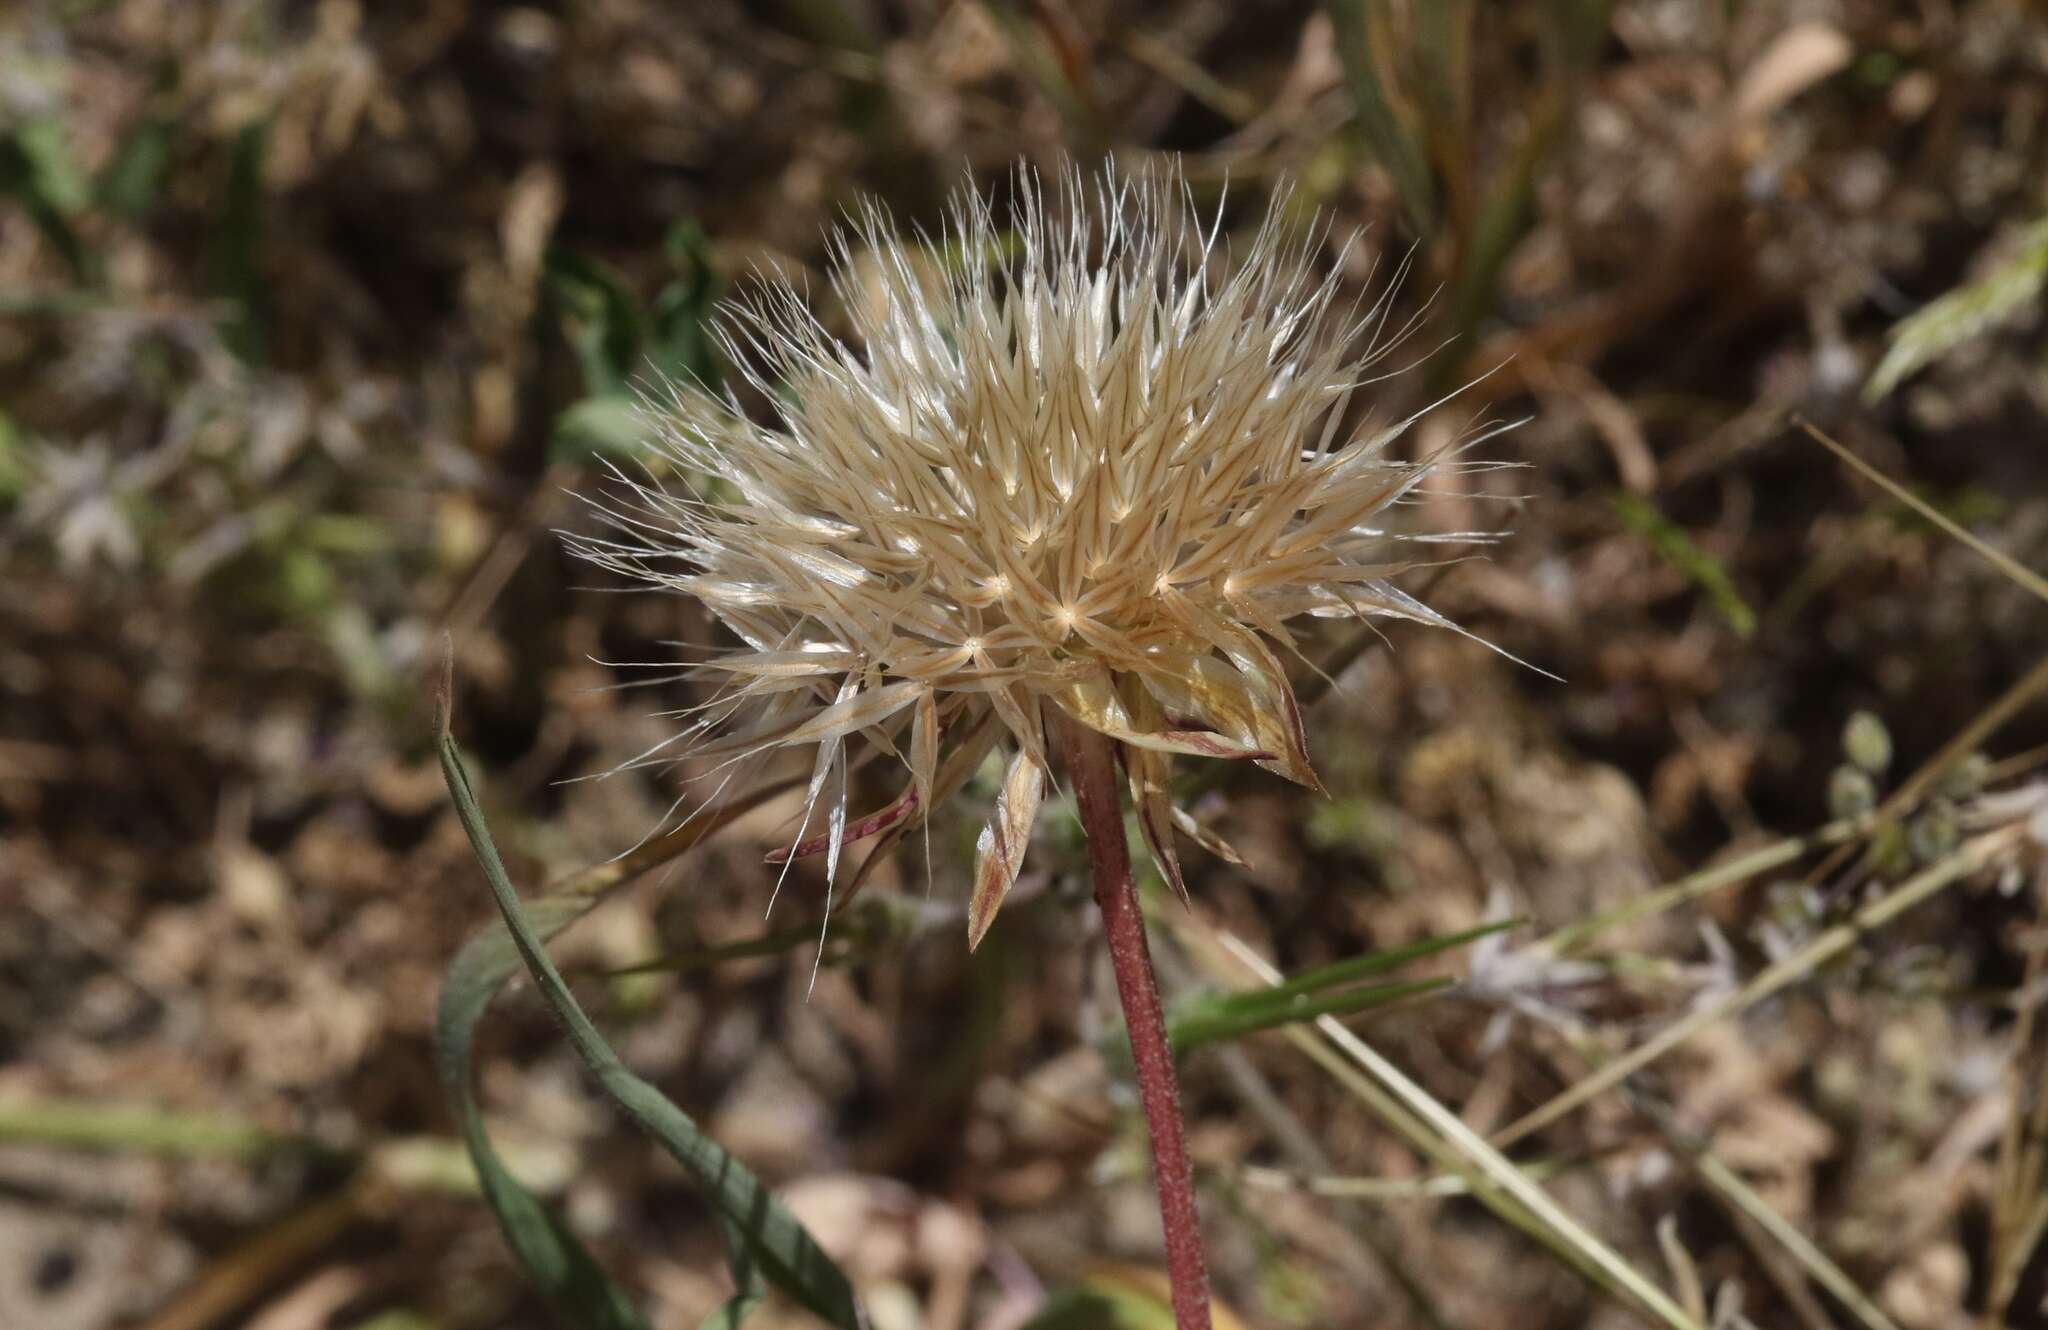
(1998, 558)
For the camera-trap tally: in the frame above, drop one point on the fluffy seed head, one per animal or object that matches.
(1063, 460)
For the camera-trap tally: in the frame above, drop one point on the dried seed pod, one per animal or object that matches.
(1066, 464)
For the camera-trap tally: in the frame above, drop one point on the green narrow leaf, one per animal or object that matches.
(1398, 149)
(1502, 222)
(771, 1244)
(1924, 337)
(1703, 569)
(1443, 49)
(399, 1318)
(1571, 42)
(1032, 50)
(1380, 962)
(1218, 1017)
(238, 245)
(87, 1125)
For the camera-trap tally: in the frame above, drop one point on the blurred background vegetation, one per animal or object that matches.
(313, 315)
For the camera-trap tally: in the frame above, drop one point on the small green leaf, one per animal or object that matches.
(608, 426)
(1966, 778)
(305, 581)
(398, 1318)
(600, 318)
(1935, 833)
(1678, 550)
(128, 184)
(13, 460)
(1922, 338)
(53, 175)
(766, 1241)
(351, 535)
(1217, 1017)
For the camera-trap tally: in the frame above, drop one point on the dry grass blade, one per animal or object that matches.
(2019, 764)
(1442, 1135)
(1825, 1272)
(1435, 1186)
(1744, 1199)
(2019, 1205)
(1921, 887)
(1968, 739)
(1685, 1272)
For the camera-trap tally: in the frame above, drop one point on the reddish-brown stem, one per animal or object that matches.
(1091, 765)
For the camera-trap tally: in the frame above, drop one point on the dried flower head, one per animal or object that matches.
(1063, 463)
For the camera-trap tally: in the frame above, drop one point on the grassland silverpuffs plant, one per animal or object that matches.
(1062, 491)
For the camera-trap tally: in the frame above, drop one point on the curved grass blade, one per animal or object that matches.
(767, 1241)
(747, 1278)
(568, 1277)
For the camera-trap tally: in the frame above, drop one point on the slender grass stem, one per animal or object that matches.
(1091, 765)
